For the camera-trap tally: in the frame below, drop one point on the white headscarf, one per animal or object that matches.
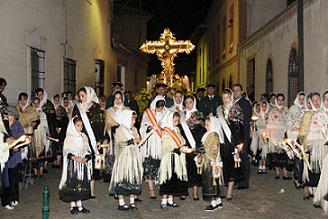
(267, 109)
(273, 105)
(53, 102)
(194, 109)
(276, 102)
(297, 101)
(153, 103)
(168, 120)
(73, 133)
(232, 102)
(69, 105)
(26, 105)
(313, 108)
(180, 105)
(323, 102)
(91, 97)
(39, 109)
(215, 126)
(122, 95)
(45, 98)
(124, 119)
(254, 109)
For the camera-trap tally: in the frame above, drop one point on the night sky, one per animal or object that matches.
(182, 17)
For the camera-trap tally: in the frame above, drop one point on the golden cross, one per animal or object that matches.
(166, 49)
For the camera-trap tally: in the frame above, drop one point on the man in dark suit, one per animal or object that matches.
(209, 103)
(200, 94)
(110, 100)
(246, 107)
(161, 90)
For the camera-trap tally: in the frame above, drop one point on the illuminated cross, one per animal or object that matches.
(167, 49)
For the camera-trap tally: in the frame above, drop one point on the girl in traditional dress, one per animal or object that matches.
(111, 117)
(273, 100)
(294, 119)
(210, 163)
(41, 142)
(312, 137)
(193, 127)
(151, 151)
(77, 167)
(172, 171)
(232, 169)
(276, 128)
(61, 127)
(127, 171)
(65, 102)
(93, 125)
(259, 145)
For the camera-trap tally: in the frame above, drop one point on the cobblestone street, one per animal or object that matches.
(262, 200)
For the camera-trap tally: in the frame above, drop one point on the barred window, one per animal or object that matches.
(38, 70)
(293, 76)
(70, 75)
(99, 77)
(269, 78)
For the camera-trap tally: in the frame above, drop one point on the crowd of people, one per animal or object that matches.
(179, 145)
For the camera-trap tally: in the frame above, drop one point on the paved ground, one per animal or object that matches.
(262, 200)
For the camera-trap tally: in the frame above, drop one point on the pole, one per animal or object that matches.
(45, 207)
(300, 30)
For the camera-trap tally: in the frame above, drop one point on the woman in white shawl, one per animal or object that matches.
(77, 168)
(127, 171)
(172, 172)
(295, 115)
(93, 124)
(276, 128)
(321, 193)
(314, 142)
(193, 127)
(151, 152)
(227, 149)
(178, 99)
(210, 163)
(112, 115)
(259, 144)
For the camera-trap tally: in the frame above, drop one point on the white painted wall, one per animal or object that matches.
(42, 24)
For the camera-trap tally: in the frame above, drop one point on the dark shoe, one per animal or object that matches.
(174, 205)
(45, 171)
(92, 196)
(306, 197)
(84, 211)
(316, 205)
(35, 176)
(286, 178)
(264, 172)
(182, 198)
(277, 177)
(74, 210)
(42, 176)
(297, 185)
(242, 187)
(196, 199)
(137, 200)
(259, 172)
(152, 197)
(54, 166)
(133, 207)
(123, 208)
(228, 199)
(211, 208)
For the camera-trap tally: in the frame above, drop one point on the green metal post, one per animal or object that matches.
(45, 207)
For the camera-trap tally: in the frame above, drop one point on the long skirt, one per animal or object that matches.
(174, 186)
(194, 179)
(209, 190)
(75, 189)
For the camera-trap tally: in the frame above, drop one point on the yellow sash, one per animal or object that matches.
(153, 121)
(174, 136)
